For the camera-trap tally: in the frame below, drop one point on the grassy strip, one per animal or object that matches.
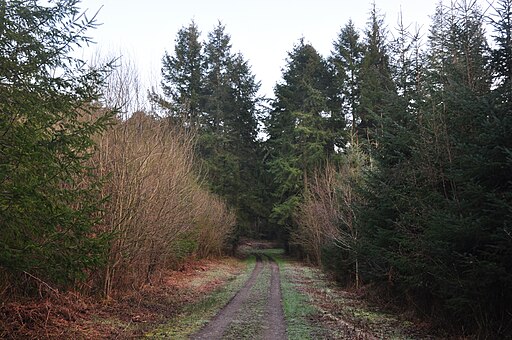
(310, 299)
(297, 306)
(197, 314)
(247, 324)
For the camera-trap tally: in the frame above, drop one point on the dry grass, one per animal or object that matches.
(69, 315)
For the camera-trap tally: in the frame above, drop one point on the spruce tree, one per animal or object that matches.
(431, 227)
(377, 88)
(461, 228)
(182, 76)
(215, 91)
(214, 139)
(242, 128)
(301, 135)
(496, 176)
(346, 59)
(48, 196)
(376, 112)
(217, 60)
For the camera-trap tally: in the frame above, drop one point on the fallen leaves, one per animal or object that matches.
(70, 315)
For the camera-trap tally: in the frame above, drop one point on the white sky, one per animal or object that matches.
(264, 30)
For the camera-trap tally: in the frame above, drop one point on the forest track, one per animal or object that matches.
(275, 325)
(242, 317)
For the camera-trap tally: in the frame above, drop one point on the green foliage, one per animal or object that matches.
(304, 127)
(346, 60)
(376, 85)
(430, 209)
(48, 196)
(432, 225)
(182, 75)
(213, 90)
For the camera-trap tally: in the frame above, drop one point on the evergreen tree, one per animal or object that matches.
(496, 175)
(217, 60)
(301, 133)
(48, 196)
(242, 129)
(182, 76)
(242, 124)
(377, 88)
(215, 139)
(377, 129)
(459, 229)
(430, 223)
(346, 59)
(387, 123)
(502, 55)
(215, 89)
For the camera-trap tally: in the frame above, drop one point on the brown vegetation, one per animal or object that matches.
(158, 214)
(326, 217)
(70, 315)
(157, 211)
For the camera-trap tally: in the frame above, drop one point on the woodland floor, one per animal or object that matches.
(263, 296)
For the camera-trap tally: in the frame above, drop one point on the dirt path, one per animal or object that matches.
(255, 311)
(275, 327)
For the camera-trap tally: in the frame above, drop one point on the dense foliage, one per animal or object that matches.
(212, 90)
(426, 213)
(48, 196)
(87, 196)
(389, 162)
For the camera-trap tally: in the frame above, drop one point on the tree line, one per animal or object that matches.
(418, 198)
(388, 162)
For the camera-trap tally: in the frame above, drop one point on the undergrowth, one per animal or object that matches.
(196, 315)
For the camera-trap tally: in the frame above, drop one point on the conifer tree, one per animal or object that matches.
(380, 132)
(301, 136)
(242, 128)
(429, 228)
(377, 88)
(346, 59)
(496, 176)
(218, 58)
(48, 196)
(459, 228)
(215, 90)
(182, 76)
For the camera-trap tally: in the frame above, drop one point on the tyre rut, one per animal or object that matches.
(275, 325)
(218, 325)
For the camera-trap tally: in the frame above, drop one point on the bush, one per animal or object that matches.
(157, 208)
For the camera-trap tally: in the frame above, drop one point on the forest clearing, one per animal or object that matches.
(369, 197)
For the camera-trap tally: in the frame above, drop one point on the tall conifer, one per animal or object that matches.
(183, 76)
(301, 134)
(49, 200)
(346, 59)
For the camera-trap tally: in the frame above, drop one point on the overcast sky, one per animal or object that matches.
(264, 30)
